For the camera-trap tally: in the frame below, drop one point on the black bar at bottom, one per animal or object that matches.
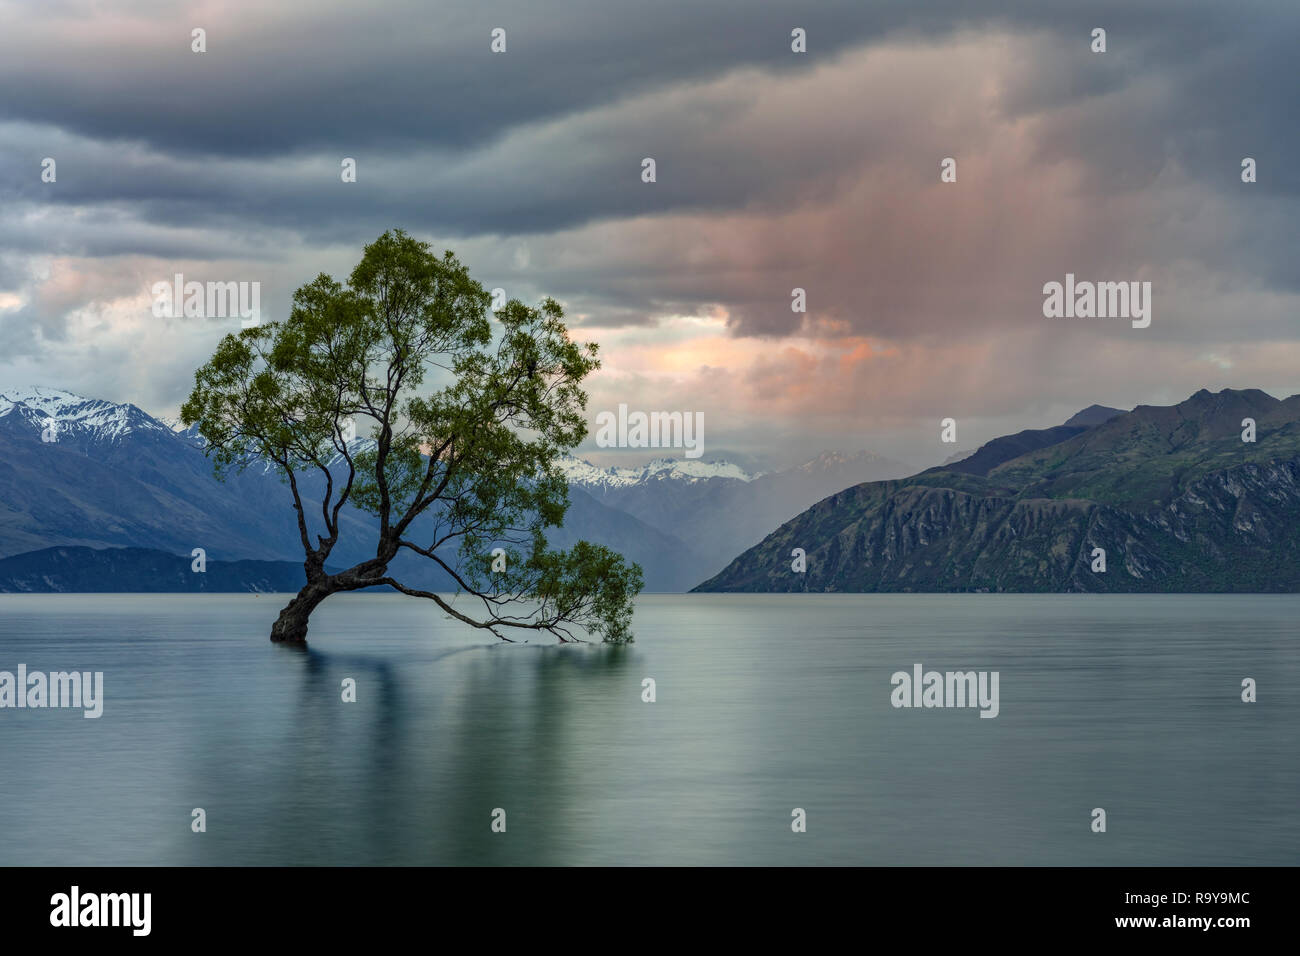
(334, 906)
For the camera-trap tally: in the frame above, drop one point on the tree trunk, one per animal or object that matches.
(291, 627)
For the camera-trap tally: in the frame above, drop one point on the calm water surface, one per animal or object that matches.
(765, 703)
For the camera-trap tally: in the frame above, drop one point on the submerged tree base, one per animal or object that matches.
(289, 632)
(291, 626)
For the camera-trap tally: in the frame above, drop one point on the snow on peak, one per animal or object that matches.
(104, 421)
(829, 460)
(355, 446)
(580, 472)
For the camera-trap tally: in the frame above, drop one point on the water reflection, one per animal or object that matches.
(764, 704)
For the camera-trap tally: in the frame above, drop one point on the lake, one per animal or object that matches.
(763, 704)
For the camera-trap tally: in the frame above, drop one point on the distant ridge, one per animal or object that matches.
(718, 509)
(1172, 494)
(1092, 415)
(134, 570)
(86, 475)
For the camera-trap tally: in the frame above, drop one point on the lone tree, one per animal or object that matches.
(455, 470)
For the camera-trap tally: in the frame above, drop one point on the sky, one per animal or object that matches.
(774, 170)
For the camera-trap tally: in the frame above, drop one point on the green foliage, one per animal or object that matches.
(468, 419)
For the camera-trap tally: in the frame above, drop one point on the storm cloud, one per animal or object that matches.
(775, 170)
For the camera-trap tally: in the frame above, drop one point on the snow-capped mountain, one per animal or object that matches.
(355, 447)
(109, 475)
(92, 418)
(583, 473)
(191, 433)
(718, 508)
(833, 462)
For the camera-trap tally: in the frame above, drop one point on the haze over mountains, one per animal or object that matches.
(114, 477)
(716, 508)
(1172, 494)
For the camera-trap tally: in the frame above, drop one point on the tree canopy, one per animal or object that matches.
(468, 417)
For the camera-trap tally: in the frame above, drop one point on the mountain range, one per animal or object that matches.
(716, 508)
(1172, 497)
(81, 475)
(98, 496)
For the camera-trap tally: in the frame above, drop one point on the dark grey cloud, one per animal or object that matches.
(455, 140)
(775, 170)
(277, 80)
